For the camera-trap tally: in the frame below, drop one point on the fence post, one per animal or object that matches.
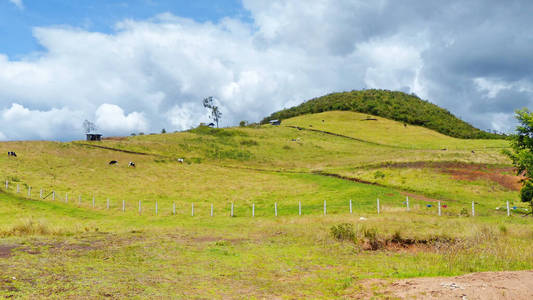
(325, 209)
(107, 203)
(211, 209)
(41, 193)
(7, 184)
(66, 197)
(439, 208)
(156, 207)
(17, 187)
(407, 202)
(232, 209)
(473, 209)
(299, 207)
(350, 205)
(140, 209)
(508, 210)
(192, 209)
(93, 201)
(53, 195)
(29, 192)
(253, 209)
(123, 205)
(276, 209)
(174, 208)
(79, 199)
(378, 206)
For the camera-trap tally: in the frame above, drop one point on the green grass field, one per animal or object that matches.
(59, 249)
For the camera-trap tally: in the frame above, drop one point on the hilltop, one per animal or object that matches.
(393, 105)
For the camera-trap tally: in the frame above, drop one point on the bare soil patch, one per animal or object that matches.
(5, 250)
(484, 285)
(467, 171)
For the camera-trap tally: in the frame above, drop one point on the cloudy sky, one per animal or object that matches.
(144, 65)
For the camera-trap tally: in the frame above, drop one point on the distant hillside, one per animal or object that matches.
(391, 105)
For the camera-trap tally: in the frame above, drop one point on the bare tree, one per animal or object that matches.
(209, 102)
(89, 126)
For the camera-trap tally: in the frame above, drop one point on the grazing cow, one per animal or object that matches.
(113, 162)
(180, 160)
(131, 164)
(443, 149)
(11, 153)
(473, 151)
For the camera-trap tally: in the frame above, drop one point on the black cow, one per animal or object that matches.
(113, 162)
(11, 153)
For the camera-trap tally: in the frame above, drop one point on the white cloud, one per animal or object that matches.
(18, 122)
(111, 119)
(18, 3)
(153, 74)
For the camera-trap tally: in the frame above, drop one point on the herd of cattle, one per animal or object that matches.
(113, 162)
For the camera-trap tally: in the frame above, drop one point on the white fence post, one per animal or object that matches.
(378, 206)
(350, 205)
(211, 209)
(407, 202)
(174, 208)
(123, 205)
(66, 197)
(156, 207)
(473, 209)
(41, 193)
(325, 209)
(29, 192)
(299, 207)
(17, 187)
(276, 209)
(93, 201)
(253, 209)
(508, 210)
(232, 209)
(107, 203)
(192, 209)
(140, 209)
(7, 184)
(79, 199)
(439, 208)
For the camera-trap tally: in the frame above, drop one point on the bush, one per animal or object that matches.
(343, 232)
(379, 175)
(249, 143)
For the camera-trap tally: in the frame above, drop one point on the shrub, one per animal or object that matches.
(379, 175)
(343, 232)
(249, 143)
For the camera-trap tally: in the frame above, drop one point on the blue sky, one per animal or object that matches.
(17, 23)
(144, 65)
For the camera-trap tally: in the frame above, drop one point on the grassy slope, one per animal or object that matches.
(392, 105)
(85, 252)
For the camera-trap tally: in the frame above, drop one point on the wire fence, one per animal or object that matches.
(266, 209)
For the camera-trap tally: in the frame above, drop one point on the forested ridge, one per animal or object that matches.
(392, 105)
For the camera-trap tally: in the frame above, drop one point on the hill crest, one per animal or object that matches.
(393, 105)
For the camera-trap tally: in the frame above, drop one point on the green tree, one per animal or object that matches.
(522, 153)
(209, 102)
(163, 130)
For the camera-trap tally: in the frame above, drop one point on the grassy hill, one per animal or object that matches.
(66, 248)
(392, 105)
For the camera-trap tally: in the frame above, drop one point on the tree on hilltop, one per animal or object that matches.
(209, 103)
